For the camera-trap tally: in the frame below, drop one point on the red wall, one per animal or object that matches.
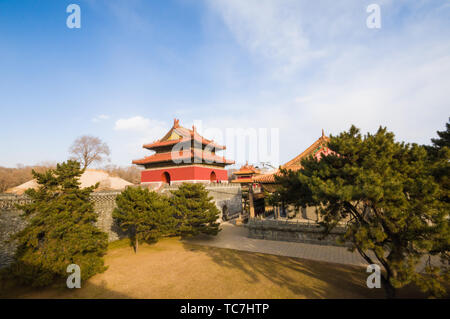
(185, 173)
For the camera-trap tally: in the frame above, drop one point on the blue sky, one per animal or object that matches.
(299, 66)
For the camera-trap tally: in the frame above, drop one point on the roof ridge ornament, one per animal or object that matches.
(323, 133)
(176, 122)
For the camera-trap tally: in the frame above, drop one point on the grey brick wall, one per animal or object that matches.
(10, 223)
(301, 232)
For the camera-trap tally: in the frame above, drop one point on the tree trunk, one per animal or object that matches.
(136, 242)
(388, 288)
(252, 204)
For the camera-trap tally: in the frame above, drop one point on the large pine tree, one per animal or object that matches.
(144, 215)
(195, 210)
(60, 229)
(386, 193)
(439, 154)
(444, 138)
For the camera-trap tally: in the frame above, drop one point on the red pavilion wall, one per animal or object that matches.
(185, 173)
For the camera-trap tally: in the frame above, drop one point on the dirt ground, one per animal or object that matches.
(173, 269)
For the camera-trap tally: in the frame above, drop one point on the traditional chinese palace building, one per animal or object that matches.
(244, 178)
(245, 173)
(318, 149)
(267, 183)
(182, 155)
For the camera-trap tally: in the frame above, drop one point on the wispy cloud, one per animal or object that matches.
(135, 131)
(136, 123)
(298, 65)
(127, 12)
(270, 30)
(325, 69)
(100, 117)
(334, 71)
(141, 127)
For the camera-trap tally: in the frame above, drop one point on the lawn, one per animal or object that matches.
(173, 269)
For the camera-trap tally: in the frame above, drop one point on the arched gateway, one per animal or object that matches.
(165, 178)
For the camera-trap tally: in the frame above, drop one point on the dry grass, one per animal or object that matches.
(172, 269)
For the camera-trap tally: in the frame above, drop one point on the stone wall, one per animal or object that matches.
(10, 223)
(285, 230)
(228, 199)
(104, 204)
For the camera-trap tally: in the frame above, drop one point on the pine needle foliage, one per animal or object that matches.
(145, 215)
(195, 210)
(391, 199)
(60, 229)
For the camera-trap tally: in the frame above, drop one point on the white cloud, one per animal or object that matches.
(326, 70)
(127, 12)
(397, 76)
(268, 29)
(137, 124)
(136, 131)
(99, 118)
(303, 99)
(408, 94)
(286, 36)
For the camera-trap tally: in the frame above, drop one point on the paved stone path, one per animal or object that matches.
(235, 237)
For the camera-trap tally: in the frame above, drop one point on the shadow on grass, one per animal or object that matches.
(88, 290)
(301, 278)
(12, 288)
(311, 279)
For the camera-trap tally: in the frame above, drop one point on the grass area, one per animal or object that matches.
(173, 269)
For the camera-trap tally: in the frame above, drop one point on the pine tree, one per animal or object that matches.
(145, 215)
(439, 164)
(195, 211)
(440, 144)
(439, 153)
(444, 138)
(391, 202)
(60, 231)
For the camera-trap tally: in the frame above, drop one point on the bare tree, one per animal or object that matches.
(11, 177)
(89, 149)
